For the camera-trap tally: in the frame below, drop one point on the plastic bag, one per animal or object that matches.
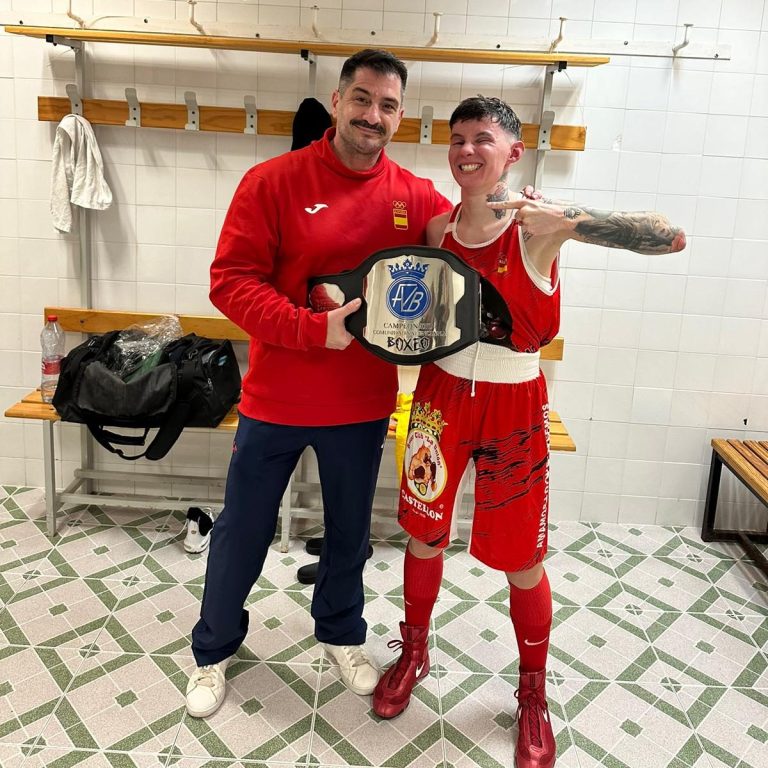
(139, 347)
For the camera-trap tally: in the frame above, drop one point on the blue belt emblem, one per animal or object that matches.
(408, 297)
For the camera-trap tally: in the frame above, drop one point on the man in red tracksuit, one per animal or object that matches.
(318, 210)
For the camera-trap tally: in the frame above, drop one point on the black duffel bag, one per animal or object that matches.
(193, 382)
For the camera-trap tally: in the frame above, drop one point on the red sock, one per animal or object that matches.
(421, 577)
(531, 613)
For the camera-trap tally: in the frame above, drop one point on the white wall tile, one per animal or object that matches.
(655, 368)
(737, 336)
(620, 329)
(641, 478)
(677, 512)
(715, 217)
(650, 405)
(686, 444)
(679, 173)
(611, 403)
(684, 132)
(726, 135)
(616, 365)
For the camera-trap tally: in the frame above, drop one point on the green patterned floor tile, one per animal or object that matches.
(620, 597)
(707, 647)
(267, 716)
(128, 517)
(23, 545)
(58, 758)
(742, 581)
(648, 540)
(32, 681)
(281, 628)
(627, 725)
(152, 618)
(732, 724)
(13, 755)
(121, 702)
(347, 732)
(466, 578)
(578, 578)
(712, 550)
(473, 637)
(55, 612)
(100, 552)
(572, 536)
(600, 644)
(667, 584)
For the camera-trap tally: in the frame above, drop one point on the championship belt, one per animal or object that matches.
(419, 303)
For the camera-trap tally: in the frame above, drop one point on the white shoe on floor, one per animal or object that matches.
(206, 689)
(358, 672)
(199, 526)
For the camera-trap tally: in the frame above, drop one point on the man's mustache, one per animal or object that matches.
(379, 128)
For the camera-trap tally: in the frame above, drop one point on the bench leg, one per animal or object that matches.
(710, 506)
(285, 517)
(49, 468)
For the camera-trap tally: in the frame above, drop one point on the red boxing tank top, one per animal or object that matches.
(520, 307)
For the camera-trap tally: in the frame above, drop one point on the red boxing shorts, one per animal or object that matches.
(504, 429)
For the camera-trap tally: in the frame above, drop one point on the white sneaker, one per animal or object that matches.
(206, 689)
(358, 672)
(199, 526)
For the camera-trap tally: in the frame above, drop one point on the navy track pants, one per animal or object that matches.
(264, 456)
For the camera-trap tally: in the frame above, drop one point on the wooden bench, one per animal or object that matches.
(90, 321)
(748, 460)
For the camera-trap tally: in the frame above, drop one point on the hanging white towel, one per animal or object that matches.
(78, 172)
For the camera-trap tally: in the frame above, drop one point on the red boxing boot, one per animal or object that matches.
(536, 746)
(393, 693)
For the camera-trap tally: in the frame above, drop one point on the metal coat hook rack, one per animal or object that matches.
(193, 111)
(75, 102)
(436, 29)
(559, 38)
(680, 46)
(134, 108)
(196, 24)
(250, 114)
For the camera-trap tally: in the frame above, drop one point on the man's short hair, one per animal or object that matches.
(482, 107)
(382, 62)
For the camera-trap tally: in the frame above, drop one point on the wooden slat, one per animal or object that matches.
(319, 48)
(758, 447)
(269, 122)
(103, 320)
(751, 457)
(741, 467)
(39, 411)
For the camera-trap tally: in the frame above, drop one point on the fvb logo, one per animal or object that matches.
(408, 298)
(399, 214)
(424, 463)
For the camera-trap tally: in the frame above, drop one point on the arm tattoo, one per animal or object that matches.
(642, 232)
(499, 195)
(571, 213)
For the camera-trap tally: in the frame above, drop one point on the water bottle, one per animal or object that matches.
(52, 344)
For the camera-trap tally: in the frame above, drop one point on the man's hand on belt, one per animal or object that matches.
(337, 336)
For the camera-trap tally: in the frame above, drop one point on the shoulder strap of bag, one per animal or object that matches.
(105, 439)
(174, 425)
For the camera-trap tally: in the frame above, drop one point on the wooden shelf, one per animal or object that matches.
(269, 122)
(318, 47)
